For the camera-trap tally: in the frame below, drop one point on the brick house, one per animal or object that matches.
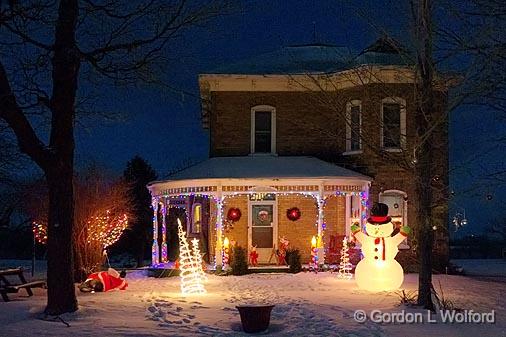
(309, 128)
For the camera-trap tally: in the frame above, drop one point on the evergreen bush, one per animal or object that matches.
(293, 258)
(239, 263)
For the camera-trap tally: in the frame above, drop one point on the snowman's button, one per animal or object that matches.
(375, 257)
(375, 249)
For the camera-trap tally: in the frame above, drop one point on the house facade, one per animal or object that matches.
(302, 141)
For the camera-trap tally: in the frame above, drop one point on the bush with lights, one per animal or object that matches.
(101, 213)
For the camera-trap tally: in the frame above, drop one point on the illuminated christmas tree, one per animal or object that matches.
(191, 277)
(198, 259)
(345, 266)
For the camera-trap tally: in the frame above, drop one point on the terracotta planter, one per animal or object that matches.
(255, 318)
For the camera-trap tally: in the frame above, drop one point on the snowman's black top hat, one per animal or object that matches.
(379, 214)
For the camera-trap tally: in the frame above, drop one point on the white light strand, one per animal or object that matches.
(198, 259)
(345, 266)
(191, 278)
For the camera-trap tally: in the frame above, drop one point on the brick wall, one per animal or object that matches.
(239, 233)
(299, 232)
(309, 123)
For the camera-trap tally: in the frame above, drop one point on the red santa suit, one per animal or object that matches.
(110, 279)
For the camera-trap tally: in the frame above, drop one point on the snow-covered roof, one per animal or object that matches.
(265, 167)
(301, 59)
(317, 58)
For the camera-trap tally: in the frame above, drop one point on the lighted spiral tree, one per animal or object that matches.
(345, 266)
(191, 277)
(198, 259)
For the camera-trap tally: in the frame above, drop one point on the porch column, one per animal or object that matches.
(321, 250)
(364, 198)
(164, 229)
(218, 253)
(155, 251)
(347, 216)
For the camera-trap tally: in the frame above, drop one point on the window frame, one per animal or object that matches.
(404, 196)
(402, 126)
(263, 108)
(349, 105)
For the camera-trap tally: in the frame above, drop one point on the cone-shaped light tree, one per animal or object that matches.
(345, 265)
(191, 277)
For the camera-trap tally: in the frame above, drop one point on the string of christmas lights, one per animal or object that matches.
(191, 277)
(345, 265)
(40, 232)
(221, 202)
(198, 259)
(103, 230)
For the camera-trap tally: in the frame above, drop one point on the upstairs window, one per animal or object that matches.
(353, 126)
(393, 123)
(263, 129)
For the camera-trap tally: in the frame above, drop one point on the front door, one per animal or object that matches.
(263, 229)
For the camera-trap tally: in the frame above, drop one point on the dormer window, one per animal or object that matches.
(263, 130)
(353, 127)
(393, 124)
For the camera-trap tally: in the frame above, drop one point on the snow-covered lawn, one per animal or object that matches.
(306, 305)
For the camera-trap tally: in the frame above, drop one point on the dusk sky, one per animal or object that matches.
(164, 127)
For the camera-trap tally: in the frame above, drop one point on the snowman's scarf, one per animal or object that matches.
(376, 242)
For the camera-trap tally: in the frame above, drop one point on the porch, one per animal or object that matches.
(247, 201)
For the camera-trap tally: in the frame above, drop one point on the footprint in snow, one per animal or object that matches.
(179, 309)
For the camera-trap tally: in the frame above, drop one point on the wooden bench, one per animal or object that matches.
(6, 287)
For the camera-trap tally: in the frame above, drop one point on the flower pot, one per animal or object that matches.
(255, 318)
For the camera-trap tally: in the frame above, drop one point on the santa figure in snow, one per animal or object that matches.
(253, 256)
(378, 270)
(104, 281)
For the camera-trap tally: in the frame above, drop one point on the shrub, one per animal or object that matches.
(239, 263)
(293, 258)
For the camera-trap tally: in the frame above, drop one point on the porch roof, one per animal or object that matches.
(251, 167)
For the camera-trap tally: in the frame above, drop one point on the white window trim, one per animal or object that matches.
(272, 110)
(191, 229)
(349, 105)
(404, 244)
(402, 103)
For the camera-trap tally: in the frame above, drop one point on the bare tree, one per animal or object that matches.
(474, 64)
(50, 50)
(103, 209)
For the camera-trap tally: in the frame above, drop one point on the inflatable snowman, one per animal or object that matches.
(378, 270)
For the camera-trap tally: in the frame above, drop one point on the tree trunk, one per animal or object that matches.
(425, 167)
(425, 238)
(61, 295)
